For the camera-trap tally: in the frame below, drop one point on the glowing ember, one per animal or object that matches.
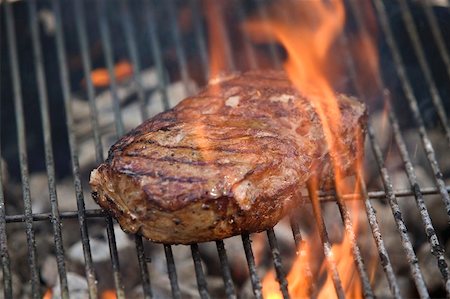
(48, 294)
(109, 294)
(122, 71)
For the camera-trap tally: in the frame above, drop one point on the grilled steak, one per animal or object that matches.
(226, 161)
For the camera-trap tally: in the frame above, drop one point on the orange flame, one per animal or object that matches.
(122, 70)
(348, 273)
(219, 46)
(298, 285)
(308, 30)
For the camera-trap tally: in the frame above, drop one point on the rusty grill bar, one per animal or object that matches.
(390, 194)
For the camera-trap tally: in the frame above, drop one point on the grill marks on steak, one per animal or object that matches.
(222, 162)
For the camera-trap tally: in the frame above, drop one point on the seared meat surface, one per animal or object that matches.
(226, 161)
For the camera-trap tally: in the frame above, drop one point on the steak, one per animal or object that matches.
(228, 160)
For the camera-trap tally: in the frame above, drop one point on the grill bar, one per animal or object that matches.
(436, 247)
(254, 278)
(181, 58)
(120, 130)
(156, 53)
(381, 248)
(109, 60)
(429, 229)
(179, 50)
(87, 66)
(437, 34)
(406, 243)
(231, 64)
(172, 271)
(296, 233)
(281, 276)
(223, 35)
(146, 286)
(81, 212)
(299, 244)
(23, 158)
(370, 211)
(199, 36)
(348, 224)
(4, 254)
(323, 234)
(316, 198)
(324, 197)
(106, 44)
(225, 268)
(120, 293)
(200, 275)
(129, 33)
(420, 54)
(277, 260)
(131, 43)
(412, 101)
(49, 160)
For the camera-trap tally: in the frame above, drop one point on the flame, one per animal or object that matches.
(219, 46)
(299, 285)
(308, 31)
(348, 273)
(122, 70)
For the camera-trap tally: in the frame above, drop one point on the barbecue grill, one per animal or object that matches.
(126, 21)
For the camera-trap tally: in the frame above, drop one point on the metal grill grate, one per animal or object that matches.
(390, 194)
